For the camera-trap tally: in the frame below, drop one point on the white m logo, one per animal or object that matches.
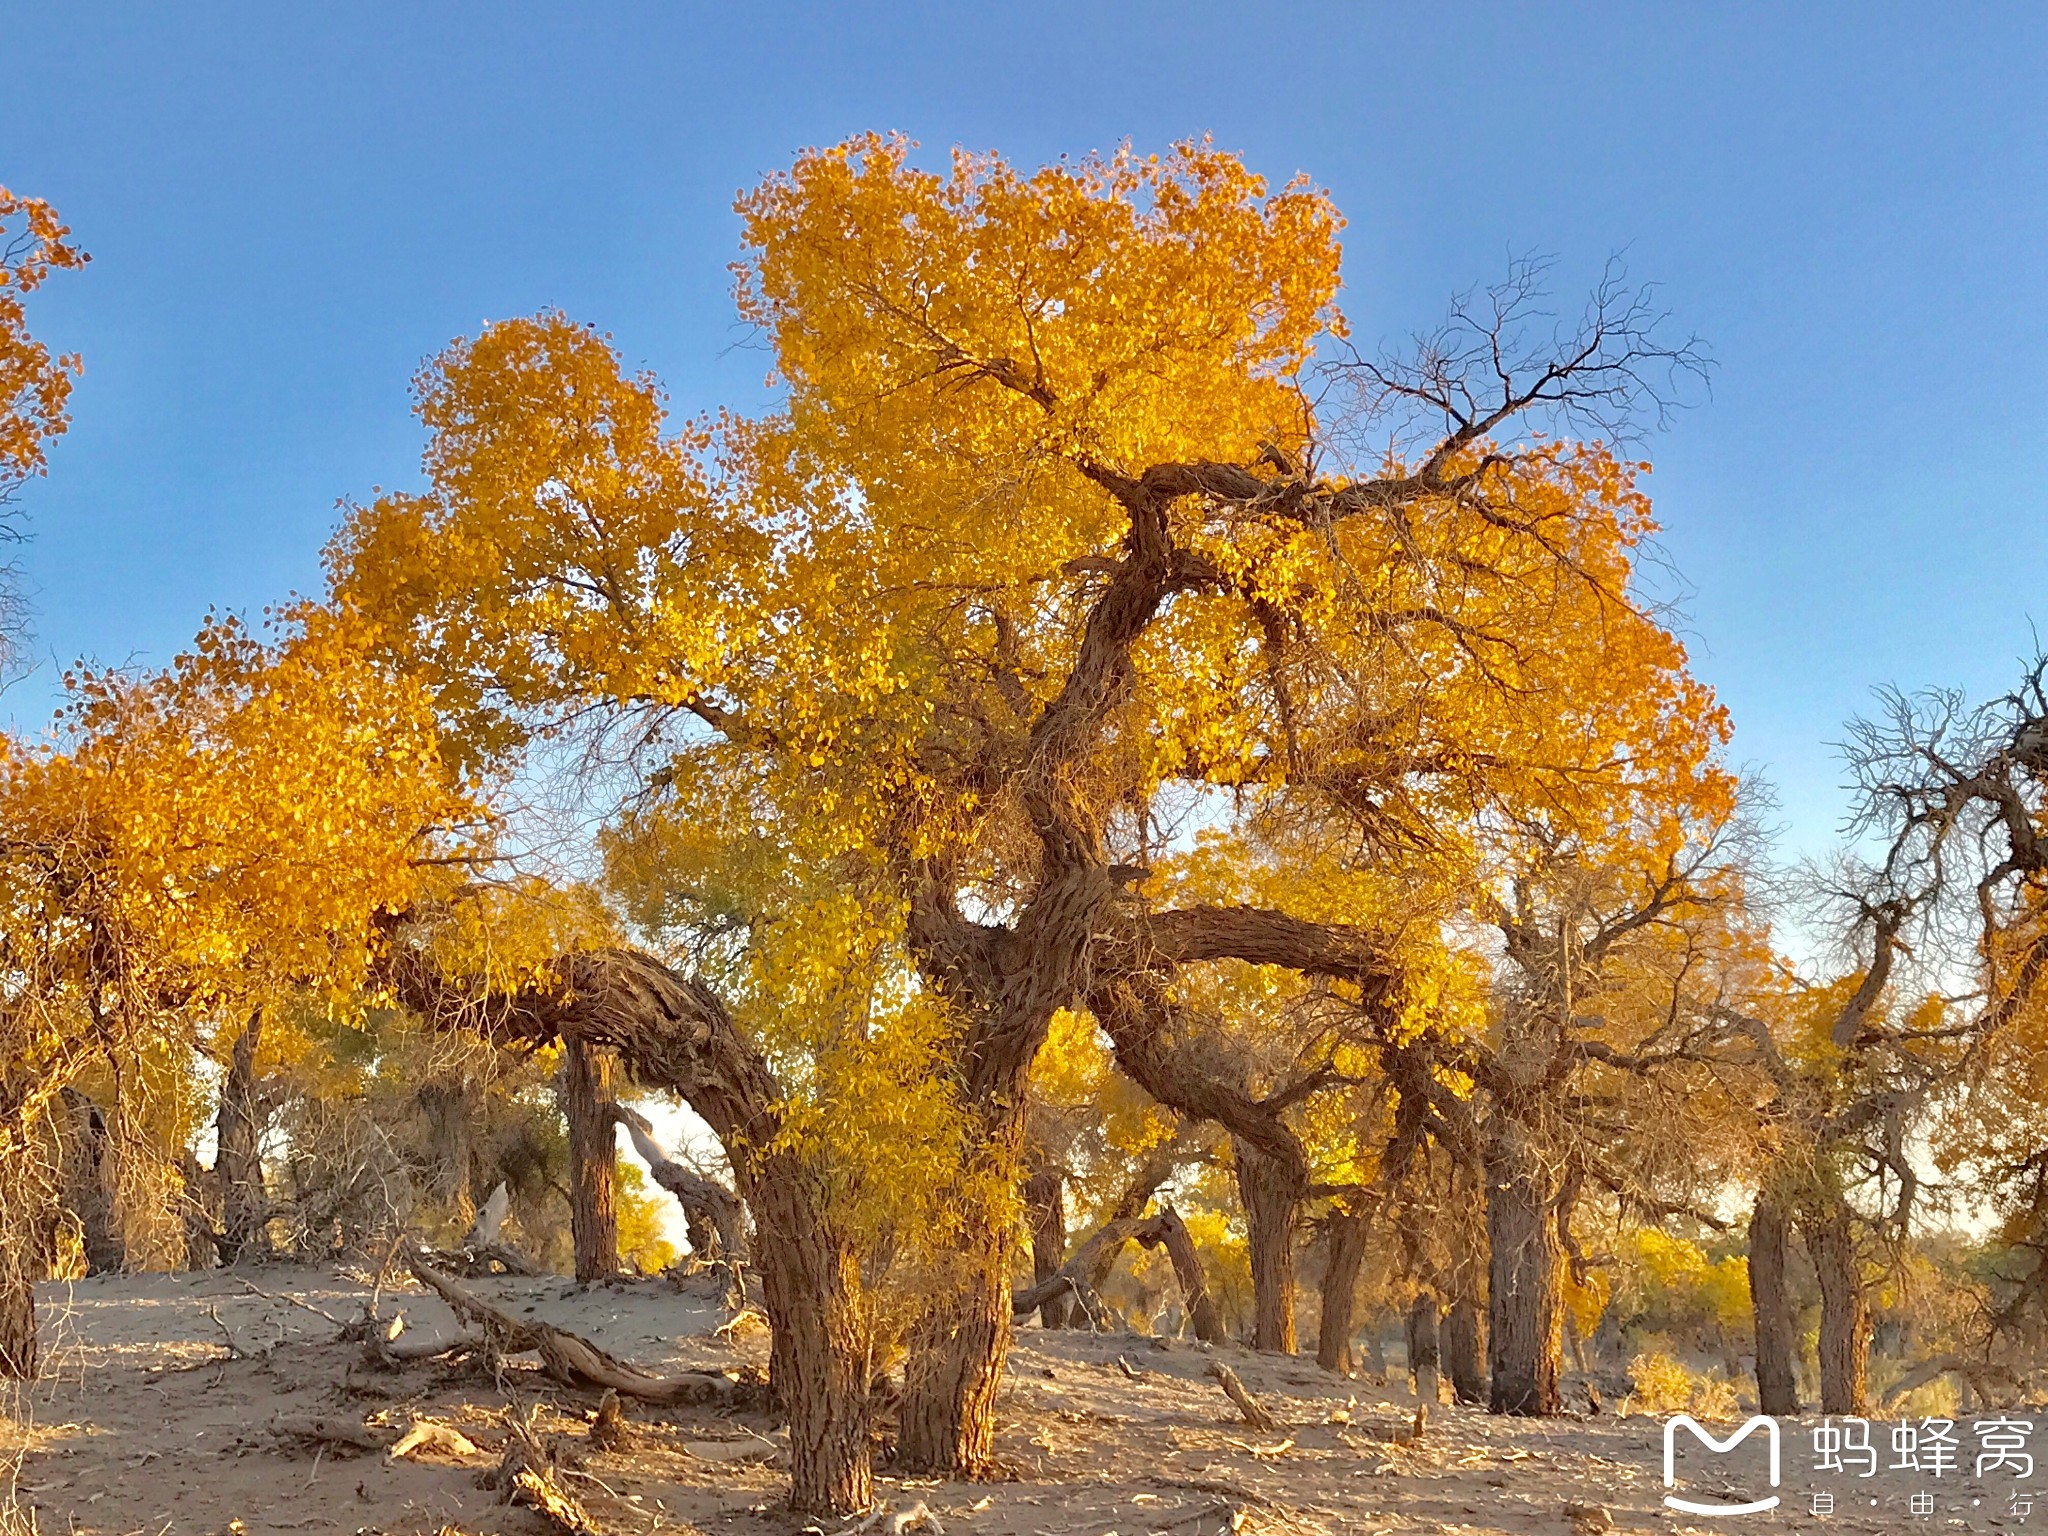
(1770, 1426)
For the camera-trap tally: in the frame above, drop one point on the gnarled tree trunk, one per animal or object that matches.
(90, 1191)
(586, 1091)
(1045, 1210)
(1770, 1296)
(1168, 1231)
(1844, 1315)
(238, 1157)
(674, 1033)
(822, 1350)
(957, 1348)
(1345, 1232)
(1271, 1192)
(1524, 1337)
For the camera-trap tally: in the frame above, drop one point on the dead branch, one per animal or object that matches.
(345, 1433)
(570, 1359)
(527, 1476)
(1254, 1414)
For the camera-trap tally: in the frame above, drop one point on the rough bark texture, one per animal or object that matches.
(586, 1091)
(1423, 1353)
(1346, 1232)
(1272, 1192)
(1462, 1361)
(954, 1367)
(1524, 1339)
(1777, 1387)
(1464, 1316)
(238, 1159)
(89, 1182)
(1844, 1315)
(1045, 1209)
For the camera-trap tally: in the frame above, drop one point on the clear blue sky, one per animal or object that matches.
(290, 206)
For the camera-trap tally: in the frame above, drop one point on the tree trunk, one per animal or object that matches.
(90, 1190)
(821, 1359)
(1423, 1355)
(19, 1202)
(954, 1364)
(1335, 1324)
(1167, 1230)
(1272, 1194)
(1524, 1341)
(1045, 1207)
(1462, 1318)
(1461, 1351)
(586, 1091)
(1376, 1346)
(238, 1157)
(1777, 1389)
(194, 1215)
(954, 1367)
(1844, 1318)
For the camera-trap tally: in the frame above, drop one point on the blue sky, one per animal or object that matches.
(290, 206)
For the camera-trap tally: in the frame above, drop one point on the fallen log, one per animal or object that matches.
(571, 1359)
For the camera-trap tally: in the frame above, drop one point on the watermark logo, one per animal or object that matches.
(1769, 1426)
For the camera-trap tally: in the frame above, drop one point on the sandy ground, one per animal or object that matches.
(154, 1420)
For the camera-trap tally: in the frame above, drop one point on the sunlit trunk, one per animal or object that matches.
(586, 1092)
(1524, 1337)
(238, 1156)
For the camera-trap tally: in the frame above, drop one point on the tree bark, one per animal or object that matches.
(19, 1202)
(822, 1349)
(1167, 1230)
(1844, 1315)
(238, 1156)
(1423, 1353)
(954, 1365)
(586, 1091)
(1777, 1387)
(1463, 1362)
(1461, 1351)
(90, 1189)
(1524, 1339)
(1346, 1232)
(674, 1033)
(1272, 1193)
(1045, 1209)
